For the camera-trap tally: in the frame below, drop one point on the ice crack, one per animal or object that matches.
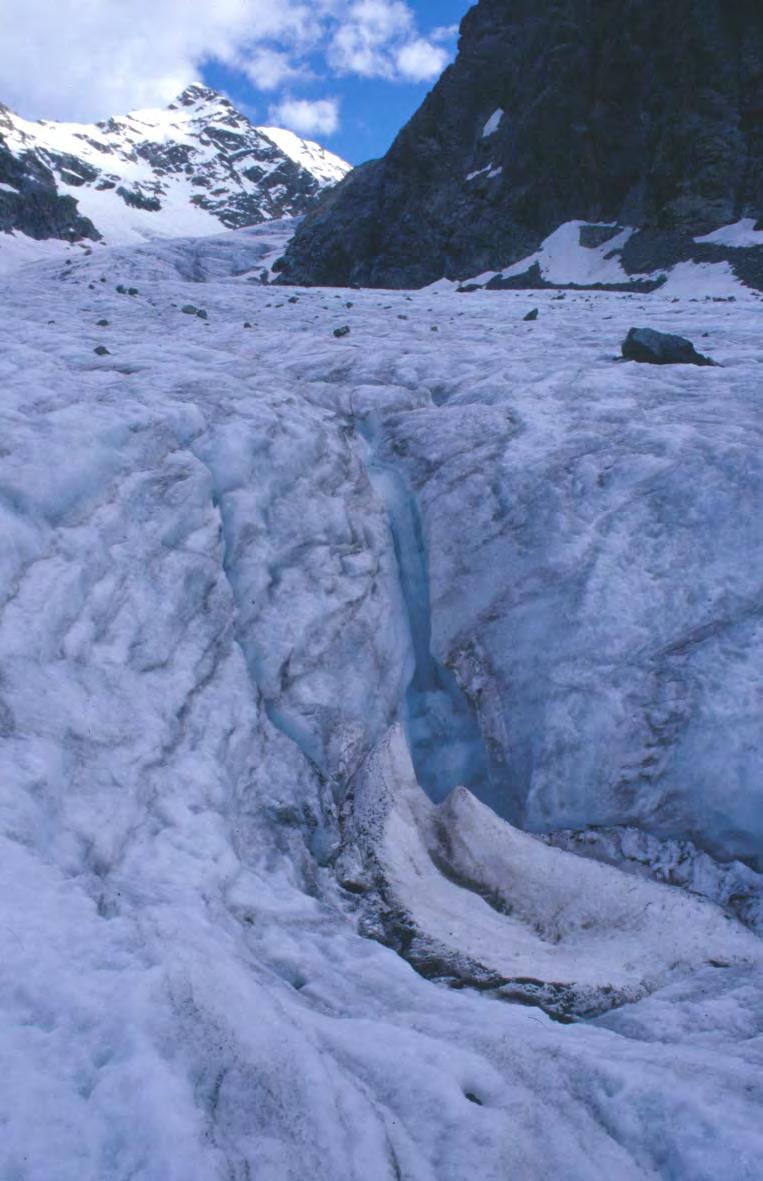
(443, 733)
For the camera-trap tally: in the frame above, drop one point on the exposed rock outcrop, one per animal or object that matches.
(30, 201)
(661, 348)
(639, 113)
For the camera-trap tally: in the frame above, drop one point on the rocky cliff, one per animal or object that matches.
(629, 114)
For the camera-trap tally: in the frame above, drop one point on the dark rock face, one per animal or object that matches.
(30, 202)
(138, 200)
(638, 112)
(661, 348)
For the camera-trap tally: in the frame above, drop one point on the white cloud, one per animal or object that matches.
(80, 59)
(306, 116)
(421, 61)
(444, 33)
(269, 69)
(85, 59)
(362, 41)
(377, 39)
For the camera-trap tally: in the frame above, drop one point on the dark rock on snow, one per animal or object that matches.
(661, 348)
(637, 113)
(343, 331)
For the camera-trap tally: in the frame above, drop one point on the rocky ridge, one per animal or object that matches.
(614, 118)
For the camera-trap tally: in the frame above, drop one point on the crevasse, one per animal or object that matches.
(441, 725)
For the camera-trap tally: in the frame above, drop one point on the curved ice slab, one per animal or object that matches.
(468, 898)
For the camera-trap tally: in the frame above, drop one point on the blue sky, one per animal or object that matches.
(348, 73)
(371, 110)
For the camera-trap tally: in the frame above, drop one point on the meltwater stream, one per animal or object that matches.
(443, 734)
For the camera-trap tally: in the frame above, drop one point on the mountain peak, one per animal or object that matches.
(193, 168)
(197, 94)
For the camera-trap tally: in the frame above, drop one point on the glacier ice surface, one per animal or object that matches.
(203, 638)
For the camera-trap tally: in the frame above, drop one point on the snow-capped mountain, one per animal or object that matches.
(195, 168)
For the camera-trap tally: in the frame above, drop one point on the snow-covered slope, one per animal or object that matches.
(190, 169)
(247, 570)
(322, 164)
(590, 255)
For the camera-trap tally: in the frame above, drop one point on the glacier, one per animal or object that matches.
(260, 587)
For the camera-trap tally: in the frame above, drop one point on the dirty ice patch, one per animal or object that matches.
(487, 902)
